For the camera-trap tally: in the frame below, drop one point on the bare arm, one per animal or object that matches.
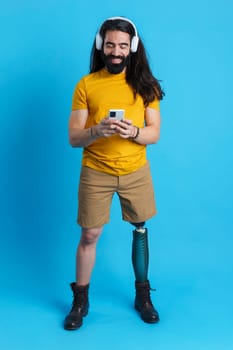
(79, 136)
(149, 134)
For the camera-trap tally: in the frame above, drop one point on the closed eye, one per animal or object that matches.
(110, 45)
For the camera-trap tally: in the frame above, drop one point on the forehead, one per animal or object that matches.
(116, 36)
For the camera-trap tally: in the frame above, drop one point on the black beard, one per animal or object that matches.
(115, 68)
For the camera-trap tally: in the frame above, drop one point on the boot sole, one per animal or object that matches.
(73, 328)
(77, 327)
(146, 321)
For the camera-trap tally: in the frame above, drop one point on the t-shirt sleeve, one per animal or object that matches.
(79, 100)
(154, 104)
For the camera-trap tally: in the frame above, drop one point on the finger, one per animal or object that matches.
(104, 121)
(127, 121)
(113, 126)
(122, 126)
(124, 133)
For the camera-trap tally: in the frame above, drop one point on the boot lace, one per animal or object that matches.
(145, 295)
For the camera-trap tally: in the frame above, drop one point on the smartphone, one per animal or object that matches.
(117, 114)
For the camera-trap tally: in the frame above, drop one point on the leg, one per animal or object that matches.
(138, 204)
(86, 253)
(94, 200)
(140, 259)
(85, 261)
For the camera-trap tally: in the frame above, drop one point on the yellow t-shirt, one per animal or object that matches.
(98, 92)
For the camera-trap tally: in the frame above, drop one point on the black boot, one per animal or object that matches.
(80, 307)
(143, 303)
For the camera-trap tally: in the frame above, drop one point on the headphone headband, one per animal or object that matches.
(126, 20)
(134, 41)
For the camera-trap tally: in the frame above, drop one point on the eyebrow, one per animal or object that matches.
(110, 42)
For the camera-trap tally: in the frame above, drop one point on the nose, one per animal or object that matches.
(116, 51)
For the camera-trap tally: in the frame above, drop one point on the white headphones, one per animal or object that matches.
(134, 41)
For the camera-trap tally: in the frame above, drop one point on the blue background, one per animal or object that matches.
(44, 51)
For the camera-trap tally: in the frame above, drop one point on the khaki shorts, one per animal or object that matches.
(96, 190)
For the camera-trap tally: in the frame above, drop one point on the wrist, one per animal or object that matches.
(93, 132)
(136, 133)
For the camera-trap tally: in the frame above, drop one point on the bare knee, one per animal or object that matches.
(90, 236)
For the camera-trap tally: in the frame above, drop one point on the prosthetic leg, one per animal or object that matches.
(140, 252)
(140, 261)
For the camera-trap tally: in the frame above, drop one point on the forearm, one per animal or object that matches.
(82, 137)
(147, 135)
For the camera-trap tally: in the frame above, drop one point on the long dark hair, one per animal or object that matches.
(138, 72)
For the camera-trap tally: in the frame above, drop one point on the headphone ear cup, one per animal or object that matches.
(98, 41)
(134, 44)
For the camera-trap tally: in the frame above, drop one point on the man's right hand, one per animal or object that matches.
(105, 128)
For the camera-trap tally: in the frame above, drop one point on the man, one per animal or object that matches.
(114, 156)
